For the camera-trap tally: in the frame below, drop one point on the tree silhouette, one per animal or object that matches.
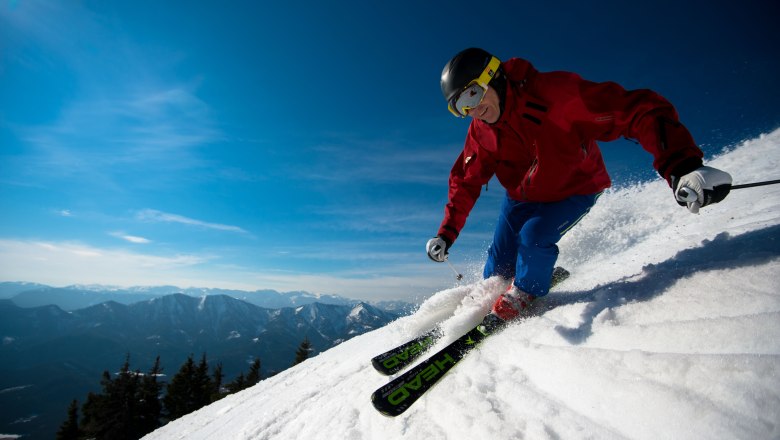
(303, 351)
(125, 409)
(149, 395)
(69, 430)
(253, 377)
(132, 404)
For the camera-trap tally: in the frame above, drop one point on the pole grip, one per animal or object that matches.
(686, 195)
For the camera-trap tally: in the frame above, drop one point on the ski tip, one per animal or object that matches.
(379, 367)
(379, 405)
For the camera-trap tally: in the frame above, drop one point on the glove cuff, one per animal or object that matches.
(447, 242)
(682, 168)
(448, 234)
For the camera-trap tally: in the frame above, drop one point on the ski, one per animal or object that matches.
(398, 358)
(400, 393)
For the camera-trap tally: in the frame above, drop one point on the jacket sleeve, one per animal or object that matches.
(643, 115)
(473, 168)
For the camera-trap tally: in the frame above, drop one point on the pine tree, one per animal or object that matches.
(92, 412)
(190, 389)
(238, 384)
(253, 377)
(115, 412)
(69, 430)
(178, 400)
(216, 388)
(202, 384)
(149, 400)
(303, 351)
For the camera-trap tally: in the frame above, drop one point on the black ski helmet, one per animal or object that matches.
(463, 68)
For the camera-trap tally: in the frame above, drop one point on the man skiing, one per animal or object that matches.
(537, 132)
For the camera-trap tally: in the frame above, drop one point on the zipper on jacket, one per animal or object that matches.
(531, 172)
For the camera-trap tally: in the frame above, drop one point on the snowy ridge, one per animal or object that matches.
(668, 328)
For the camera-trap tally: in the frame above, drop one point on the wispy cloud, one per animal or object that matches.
(62, 263)
(353, 160)
(130, 238)
(152, 215)
(410, 218)
(146, 136)
(131, 120)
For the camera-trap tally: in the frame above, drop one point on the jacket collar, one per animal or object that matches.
(518, 72)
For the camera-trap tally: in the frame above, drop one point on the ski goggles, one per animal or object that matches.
(474, 92)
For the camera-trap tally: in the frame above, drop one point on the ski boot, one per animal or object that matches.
(509, 306)
(512, 303)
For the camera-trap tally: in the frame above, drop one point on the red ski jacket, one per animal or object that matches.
(543, 147)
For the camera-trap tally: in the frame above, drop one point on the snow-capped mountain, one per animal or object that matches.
(10, 289)
(668, 328)
(82, 296)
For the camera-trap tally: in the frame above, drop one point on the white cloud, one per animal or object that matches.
(152, 215)
(130, 238)
(380, 161)
(63, 263)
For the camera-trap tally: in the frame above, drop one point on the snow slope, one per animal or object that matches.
(669, 328)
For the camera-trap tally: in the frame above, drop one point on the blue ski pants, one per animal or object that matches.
(525, 241)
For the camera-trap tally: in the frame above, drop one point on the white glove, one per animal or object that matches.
(437, 249)
(702, 187)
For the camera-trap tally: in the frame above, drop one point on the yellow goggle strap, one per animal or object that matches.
(489, 72)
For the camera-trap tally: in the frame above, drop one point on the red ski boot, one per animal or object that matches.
(512, 303)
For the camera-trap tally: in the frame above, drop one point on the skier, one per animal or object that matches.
(537, 132)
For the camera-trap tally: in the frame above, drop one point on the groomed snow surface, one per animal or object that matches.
(669, 328)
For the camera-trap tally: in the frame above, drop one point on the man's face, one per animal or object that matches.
(489, 109)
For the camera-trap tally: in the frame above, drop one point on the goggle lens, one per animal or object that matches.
(469, 98)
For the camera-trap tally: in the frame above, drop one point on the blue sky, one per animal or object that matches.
(305, 145)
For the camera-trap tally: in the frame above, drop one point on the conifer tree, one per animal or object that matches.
(253, 377)
(92, 412)
(216, 388)
(128, 407)
(69, 430)
(242, 381)
(178, 400)
(303, 351)
(115, 412)
(238, 384)
(149, 399)
(202, 384)
(190, 389)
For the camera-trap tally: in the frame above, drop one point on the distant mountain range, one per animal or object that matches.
(82, 296)
(50, 355)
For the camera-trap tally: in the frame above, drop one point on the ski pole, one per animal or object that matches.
(458, 276)
(689, 195)
(751, 185)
